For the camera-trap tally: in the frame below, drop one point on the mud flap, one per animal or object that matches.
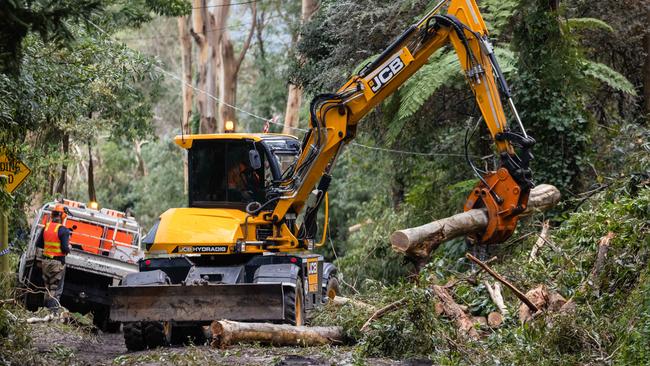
(202, 303)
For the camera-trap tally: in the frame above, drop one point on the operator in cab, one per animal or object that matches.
(54, 239)
(242, 178)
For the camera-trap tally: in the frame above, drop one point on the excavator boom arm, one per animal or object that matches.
(334, 117)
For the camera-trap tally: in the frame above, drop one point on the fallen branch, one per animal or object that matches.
(63, 317)
(381, 312)
(419, 242)
(540, 241)
(226, 332)
(496, 296)
(357, 227)
(498, 277)
(340, 301)
(449, 307)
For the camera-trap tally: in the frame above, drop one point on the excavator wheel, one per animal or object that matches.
(157, 334)
(331, 290)
(294, 310)
(133, 336)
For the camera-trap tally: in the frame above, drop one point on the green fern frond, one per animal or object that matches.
(588, 23)
(609, 76)
(497, 14)
(440, 69)
(507, 59)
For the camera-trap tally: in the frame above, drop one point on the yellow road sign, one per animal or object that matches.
(15, 170)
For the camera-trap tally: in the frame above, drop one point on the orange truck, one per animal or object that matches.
(105, 247)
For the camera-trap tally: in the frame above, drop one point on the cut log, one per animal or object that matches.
(226, 332)
(494, 319)
(419, 242)
(464, 322)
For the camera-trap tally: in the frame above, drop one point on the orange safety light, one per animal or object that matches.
(230, 126)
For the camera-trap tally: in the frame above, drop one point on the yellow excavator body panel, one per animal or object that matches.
(197, 230)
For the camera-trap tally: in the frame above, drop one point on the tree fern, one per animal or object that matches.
(442, 67)
(609, 76)
(588, 23)
(497, 14)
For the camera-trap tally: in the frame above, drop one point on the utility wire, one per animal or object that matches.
(222, 5)
(270, 120)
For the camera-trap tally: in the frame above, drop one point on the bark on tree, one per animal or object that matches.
(92, 195)
(142, 167)
(646, 69)
(61, 182)
(185, 41)
(225, 333)
(419, 242)
(294, 98)
(230, 66)
(204, 30)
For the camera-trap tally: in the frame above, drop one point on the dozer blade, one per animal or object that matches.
(202, 303)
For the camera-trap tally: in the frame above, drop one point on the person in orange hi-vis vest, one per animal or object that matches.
(54, 240)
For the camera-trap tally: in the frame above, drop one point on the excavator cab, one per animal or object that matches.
(232, 170)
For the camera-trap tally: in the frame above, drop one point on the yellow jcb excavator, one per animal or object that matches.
(241, 249)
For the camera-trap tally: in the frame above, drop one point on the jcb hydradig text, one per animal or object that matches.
(240, 250)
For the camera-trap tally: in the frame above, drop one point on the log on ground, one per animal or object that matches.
(419, 242)
(226, 332)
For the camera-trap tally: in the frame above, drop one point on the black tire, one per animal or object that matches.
(101, 319)
(157, 334)
(294, 309)
(188, 335)
(133, 336)
(331, 290)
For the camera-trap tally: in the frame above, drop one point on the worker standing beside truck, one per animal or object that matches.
(54, 240)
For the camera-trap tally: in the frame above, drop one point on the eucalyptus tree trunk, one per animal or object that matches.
(61, 182)
(203, 30)
(646, 69)
(92, 195)
(294, 98)
(230, 66)
(185, 41)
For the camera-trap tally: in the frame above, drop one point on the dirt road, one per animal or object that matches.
(72, 346)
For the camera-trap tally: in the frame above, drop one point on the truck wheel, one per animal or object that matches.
(157, 334)
(133, 337)
(294, 310)
(331, 290)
